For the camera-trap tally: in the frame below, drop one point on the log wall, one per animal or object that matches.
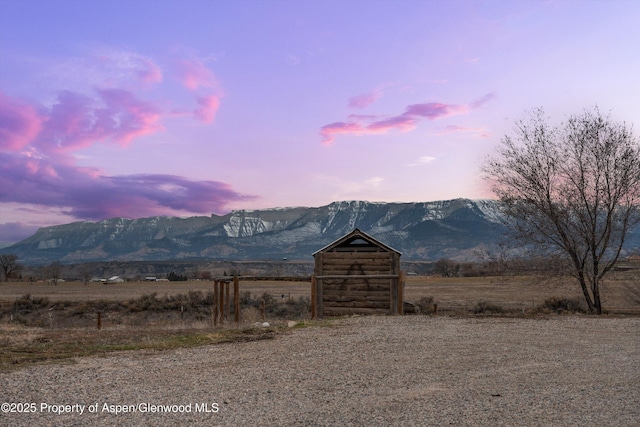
(365, 282)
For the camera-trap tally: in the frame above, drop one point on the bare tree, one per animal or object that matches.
(54, 270)
(10, 266)
(446, 268)
(573, 190)
(86, 273)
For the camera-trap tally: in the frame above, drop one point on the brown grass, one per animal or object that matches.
(461, 294)
(70, 329)
(455, 292)
(77, 291)
(22, 346)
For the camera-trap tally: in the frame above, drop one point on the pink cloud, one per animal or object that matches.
(330, 131)
(403, 123)
(363, 117)
(435, 110)
(208, 107)
(127, 116)
(77, 121)
(364, 100)
(483, 100)
(368, 124)
(194, 74)
(455, 128)
(149, 72)
(36, 142)
(86, 194)
(480, 132)
(19, 123)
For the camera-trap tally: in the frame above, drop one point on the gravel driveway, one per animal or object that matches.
(363, 371)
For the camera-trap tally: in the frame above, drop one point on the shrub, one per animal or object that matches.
(145, 303)
(562, 304)
(425, 305)
(247, 300)
(289, 309)
(485, 307)
(27, 303)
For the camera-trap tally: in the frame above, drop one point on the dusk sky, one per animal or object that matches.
(143, 108)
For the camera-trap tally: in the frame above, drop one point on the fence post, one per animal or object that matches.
(236, 299)
(263, 310)
(401, 292)
(221, 303)
(227, 300)
(214, 308)
(99, 320)
(313, 296)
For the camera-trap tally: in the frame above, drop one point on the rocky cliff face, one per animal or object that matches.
(421, 231)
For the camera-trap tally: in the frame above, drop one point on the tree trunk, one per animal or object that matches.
(595, 284)
(596, 295)
(585, 291)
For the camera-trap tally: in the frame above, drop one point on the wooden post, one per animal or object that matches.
(263, 310)
(99, 320)
(435, 309)
(394, 285)
(319, 271)
(221, 303)
(313, 296)
(401, 293)
(227, 300)
(236, 299)
(215, 303)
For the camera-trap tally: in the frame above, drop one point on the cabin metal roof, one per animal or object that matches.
(352, 237)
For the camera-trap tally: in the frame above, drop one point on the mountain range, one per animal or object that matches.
(454, 229)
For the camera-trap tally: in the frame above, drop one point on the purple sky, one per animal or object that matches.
(142, 108)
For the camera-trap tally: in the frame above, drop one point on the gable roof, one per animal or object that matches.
(354, 239)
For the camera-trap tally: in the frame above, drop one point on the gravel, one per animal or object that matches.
(373, 371)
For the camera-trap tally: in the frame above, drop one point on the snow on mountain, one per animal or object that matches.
(421, 231)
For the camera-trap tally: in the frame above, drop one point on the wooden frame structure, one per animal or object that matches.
(356, 274)
(221, 300)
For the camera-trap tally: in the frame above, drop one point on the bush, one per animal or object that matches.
(485, 307)
(146, 303)
(27, 303)
(425, 305)
(562, 304)
(288, 309)
(292, 308)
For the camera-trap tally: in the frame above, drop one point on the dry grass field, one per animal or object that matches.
(60, 322)
(451, 294)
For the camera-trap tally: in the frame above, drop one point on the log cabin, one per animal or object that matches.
(356, 274)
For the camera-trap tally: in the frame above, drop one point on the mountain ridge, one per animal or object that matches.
(421, 230)
(456, 229)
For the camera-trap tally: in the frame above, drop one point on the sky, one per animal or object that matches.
(164, 107)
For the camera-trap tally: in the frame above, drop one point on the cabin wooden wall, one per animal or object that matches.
(357, 283)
